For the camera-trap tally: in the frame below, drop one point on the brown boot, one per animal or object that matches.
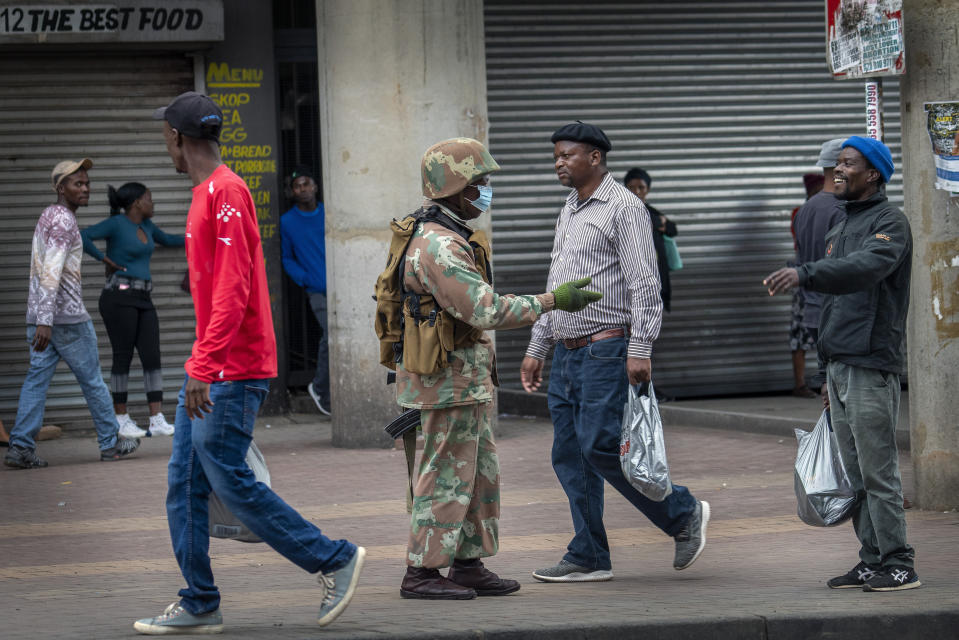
(472, 573)
(427, 584)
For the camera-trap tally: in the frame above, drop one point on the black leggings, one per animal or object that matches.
(131, 321)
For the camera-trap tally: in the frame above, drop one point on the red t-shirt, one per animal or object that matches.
(234, 325)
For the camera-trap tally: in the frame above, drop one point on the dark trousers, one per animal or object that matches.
(864, 407)
(131, 322)
(587, 393)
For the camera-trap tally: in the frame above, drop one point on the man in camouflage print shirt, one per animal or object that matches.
(455, 519)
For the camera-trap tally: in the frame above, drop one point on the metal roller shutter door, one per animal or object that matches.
(67, 106)
(726, 105)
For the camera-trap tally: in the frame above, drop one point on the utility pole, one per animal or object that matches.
(932, 46)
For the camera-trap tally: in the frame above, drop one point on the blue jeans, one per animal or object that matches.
(209, 453)
(75, 344)
(587, 393)
(321, 378)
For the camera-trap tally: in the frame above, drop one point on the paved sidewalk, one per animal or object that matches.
(86, 550)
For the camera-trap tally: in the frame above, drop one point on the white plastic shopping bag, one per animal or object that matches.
(223, 524)
(824, 494)
(642, 451)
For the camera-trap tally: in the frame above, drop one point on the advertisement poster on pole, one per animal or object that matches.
(942, 121)
(864, 38)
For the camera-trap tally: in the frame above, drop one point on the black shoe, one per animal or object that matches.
(854, 578)
(895, 578)
(123, 448)
(23, 458)
(472, 574)
(427, 584)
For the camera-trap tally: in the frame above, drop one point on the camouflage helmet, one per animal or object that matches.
(449, 166)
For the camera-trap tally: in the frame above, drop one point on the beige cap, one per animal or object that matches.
(66, 168)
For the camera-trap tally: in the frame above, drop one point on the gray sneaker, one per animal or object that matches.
(176, 619)
(23, 458)
(691, 541)
(569, 572)
(339, 587)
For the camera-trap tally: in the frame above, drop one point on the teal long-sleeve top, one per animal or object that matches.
(124, 246)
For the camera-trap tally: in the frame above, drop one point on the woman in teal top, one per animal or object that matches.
(125, 305)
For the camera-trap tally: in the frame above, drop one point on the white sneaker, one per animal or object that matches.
(316, 399)
(159, 426)
(129, 428)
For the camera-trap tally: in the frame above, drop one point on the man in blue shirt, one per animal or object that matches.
(303, 236)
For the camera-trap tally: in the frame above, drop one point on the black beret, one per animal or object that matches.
(581, 132)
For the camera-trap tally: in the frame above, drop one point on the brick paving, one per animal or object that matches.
(86, 550)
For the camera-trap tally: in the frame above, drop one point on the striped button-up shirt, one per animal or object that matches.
(609, 238)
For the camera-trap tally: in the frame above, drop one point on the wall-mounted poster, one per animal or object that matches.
(864, 38)
(942, 121)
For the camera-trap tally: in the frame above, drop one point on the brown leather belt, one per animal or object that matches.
(576, 343)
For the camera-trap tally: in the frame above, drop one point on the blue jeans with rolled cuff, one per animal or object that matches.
(75, 344)
(587, 392)
(209, 453)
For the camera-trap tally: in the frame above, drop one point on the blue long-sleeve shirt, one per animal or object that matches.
(124, 246)
(303, 242)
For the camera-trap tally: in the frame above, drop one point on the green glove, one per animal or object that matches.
(571, 296)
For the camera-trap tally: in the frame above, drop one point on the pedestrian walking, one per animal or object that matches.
(303, 247)
(125, 303)
(865, 277)
(59, 327)
(603, 232)
(227, 378)
(447, 277)
(801, 339)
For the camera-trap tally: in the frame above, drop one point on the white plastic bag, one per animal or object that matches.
(223, 524)
(823, 491)
(642, 452)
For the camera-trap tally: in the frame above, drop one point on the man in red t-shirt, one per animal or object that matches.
(228, 373)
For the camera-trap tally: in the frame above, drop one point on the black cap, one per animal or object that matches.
(581, 132)
(194, 115)
(302, 172)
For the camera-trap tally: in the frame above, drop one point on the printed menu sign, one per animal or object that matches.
(244, 146)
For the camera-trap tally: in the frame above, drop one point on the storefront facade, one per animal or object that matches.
(725, 104)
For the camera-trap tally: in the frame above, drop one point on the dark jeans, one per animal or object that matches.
(321, 379)
(587, 393)
(131, 321)
(209, 453)
(864, 407)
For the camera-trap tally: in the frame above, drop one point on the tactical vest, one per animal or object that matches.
(412, 328)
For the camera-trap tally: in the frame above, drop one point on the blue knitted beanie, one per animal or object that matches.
(875, 152)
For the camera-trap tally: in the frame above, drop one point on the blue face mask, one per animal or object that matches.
(485, 198)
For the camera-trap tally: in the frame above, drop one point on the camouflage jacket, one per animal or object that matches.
(440, 262)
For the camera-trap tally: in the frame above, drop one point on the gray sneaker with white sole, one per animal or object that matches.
(568, 572)
(176, 620)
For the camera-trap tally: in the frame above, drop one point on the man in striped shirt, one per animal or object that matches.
(604, 232)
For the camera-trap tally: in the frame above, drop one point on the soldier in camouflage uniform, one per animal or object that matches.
(455, 519)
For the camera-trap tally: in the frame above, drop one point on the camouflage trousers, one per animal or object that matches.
(456, 496)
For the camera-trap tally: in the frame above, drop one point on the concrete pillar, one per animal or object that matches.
(395, 77)
(932, 49)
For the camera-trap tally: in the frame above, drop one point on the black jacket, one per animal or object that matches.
(866, 273)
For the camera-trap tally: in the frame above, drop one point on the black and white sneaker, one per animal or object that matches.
(123, 448)
(854, 578)
(895, 578)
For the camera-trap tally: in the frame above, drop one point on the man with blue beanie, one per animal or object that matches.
(865, 276)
